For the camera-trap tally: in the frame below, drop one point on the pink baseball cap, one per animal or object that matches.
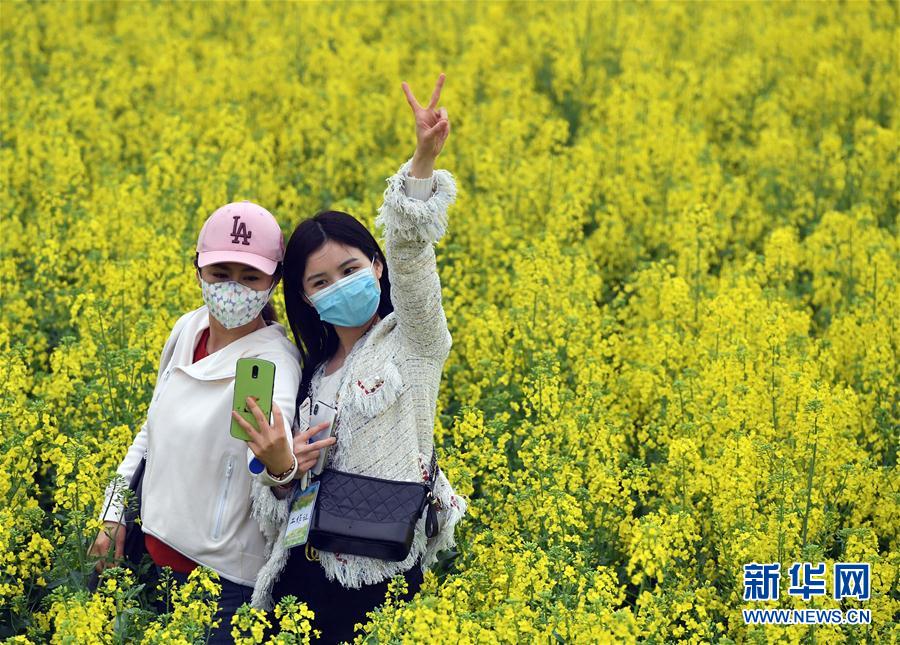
(241, 232)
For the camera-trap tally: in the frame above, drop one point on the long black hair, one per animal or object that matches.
(317, 340)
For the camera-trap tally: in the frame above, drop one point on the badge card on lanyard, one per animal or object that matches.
(302, 505)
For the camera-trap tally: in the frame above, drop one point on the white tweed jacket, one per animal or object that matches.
(388, 393)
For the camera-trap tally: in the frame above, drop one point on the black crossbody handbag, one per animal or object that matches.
(369, 516)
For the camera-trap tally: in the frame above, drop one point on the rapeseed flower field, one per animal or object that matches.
(671, 277)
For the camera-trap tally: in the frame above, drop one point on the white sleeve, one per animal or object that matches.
(113, 509)
(420, 189)
(411, 228)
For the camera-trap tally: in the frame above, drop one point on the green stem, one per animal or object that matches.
(809, 480)
(781, 516)
(106, 369)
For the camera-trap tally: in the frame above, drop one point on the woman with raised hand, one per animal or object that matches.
(373, 339)
(195, 502)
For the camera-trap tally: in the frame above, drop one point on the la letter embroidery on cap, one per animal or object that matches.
(240, 231)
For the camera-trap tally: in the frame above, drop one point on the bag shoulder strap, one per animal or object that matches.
(432, 525)
(432, 471)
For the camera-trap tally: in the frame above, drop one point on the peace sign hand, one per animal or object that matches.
(432, 123)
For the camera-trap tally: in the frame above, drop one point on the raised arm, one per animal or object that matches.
(414, 217)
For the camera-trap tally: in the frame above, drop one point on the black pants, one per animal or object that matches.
(337, 608)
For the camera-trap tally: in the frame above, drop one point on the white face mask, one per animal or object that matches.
(234, 304)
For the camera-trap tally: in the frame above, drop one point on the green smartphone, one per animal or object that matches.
(252, 377)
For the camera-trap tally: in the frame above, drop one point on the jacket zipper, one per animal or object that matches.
(165, 379)
(220, 511)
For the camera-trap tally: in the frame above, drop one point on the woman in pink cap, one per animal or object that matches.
(195, 498)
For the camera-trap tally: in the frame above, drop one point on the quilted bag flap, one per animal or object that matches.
(361, 498)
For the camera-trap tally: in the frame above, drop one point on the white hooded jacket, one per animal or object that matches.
(196, 487)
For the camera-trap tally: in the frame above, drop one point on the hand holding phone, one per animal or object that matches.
(321, 413)
(271, 447)
(307, 451)
(253, 377)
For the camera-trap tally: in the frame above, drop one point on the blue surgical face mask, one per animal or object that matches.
(350, 301)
